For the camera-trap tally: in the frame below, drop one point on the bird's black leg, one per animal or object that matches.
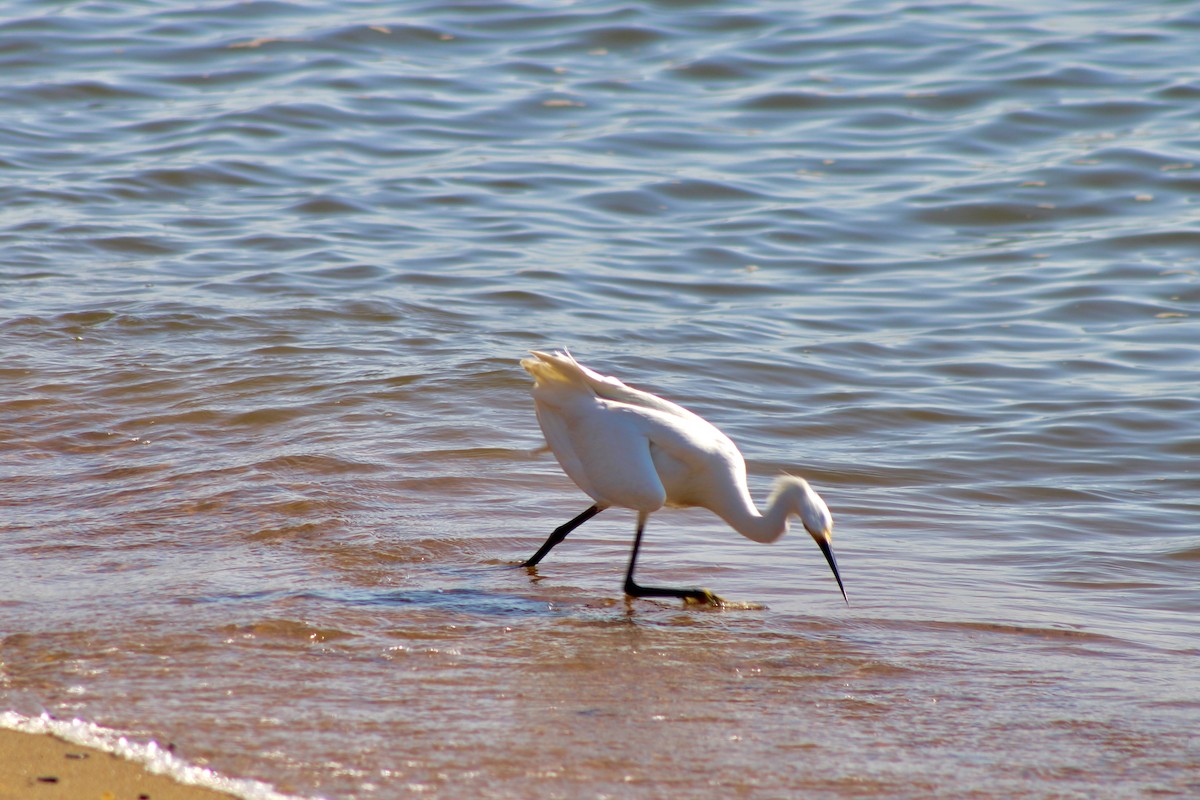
(634, 590)
(559, 534)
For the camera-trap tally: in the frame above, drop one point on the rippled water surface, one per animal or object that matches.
(267, 457)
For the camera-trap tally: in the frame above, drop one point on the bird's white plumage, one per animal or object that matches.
(629, 448)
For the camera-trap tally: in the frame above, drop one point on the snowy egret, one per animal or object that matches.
(629, 448)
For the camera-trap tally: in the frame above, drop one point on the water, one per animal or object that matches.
(266, 452)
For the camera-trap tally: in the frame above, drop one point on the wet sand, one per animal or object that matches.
(43, 767)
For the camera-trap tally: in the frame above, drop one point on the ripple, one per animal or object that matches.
(325, 206)
(631, 203)
(705, 191)
(136, 245)
(795, 101)
(87, 91)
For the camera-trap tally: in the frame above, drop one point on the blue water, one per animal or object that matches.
(267, 457)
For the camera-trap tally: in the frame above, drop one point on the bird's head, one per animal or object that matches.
(813, 512)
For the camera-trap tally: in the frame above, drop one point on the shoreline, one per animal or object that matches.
(46, 767)
(48, 759)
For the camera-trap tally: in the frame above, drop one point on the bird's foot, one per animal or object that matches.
(691, 597)
(703, 597)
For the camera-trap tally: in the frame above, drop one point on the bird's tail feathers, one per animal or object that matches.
(555, 370)
(560, 370)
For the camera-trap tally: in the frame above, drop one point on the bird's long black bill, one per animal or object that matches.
(828, 551)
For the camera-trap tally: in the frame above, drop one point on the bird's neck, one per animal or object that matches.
(765, 527)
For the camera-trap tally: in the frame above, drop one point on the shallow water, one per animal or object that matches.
(266, 454)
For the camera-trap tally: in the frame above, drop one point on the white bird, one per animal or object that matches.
(629, 448)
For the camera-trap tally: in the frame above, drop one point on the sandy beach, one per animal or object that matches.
(43, 767)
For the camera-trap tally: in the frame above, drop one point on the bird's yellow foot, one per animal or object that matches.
(703, 597)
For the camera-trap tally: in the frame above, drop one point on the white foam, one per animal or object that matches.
(150, 755)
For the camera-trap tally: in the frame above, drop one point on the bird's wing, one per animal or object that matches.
(614, 454)
(697, 464)
(602, 447)
(555, 430)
